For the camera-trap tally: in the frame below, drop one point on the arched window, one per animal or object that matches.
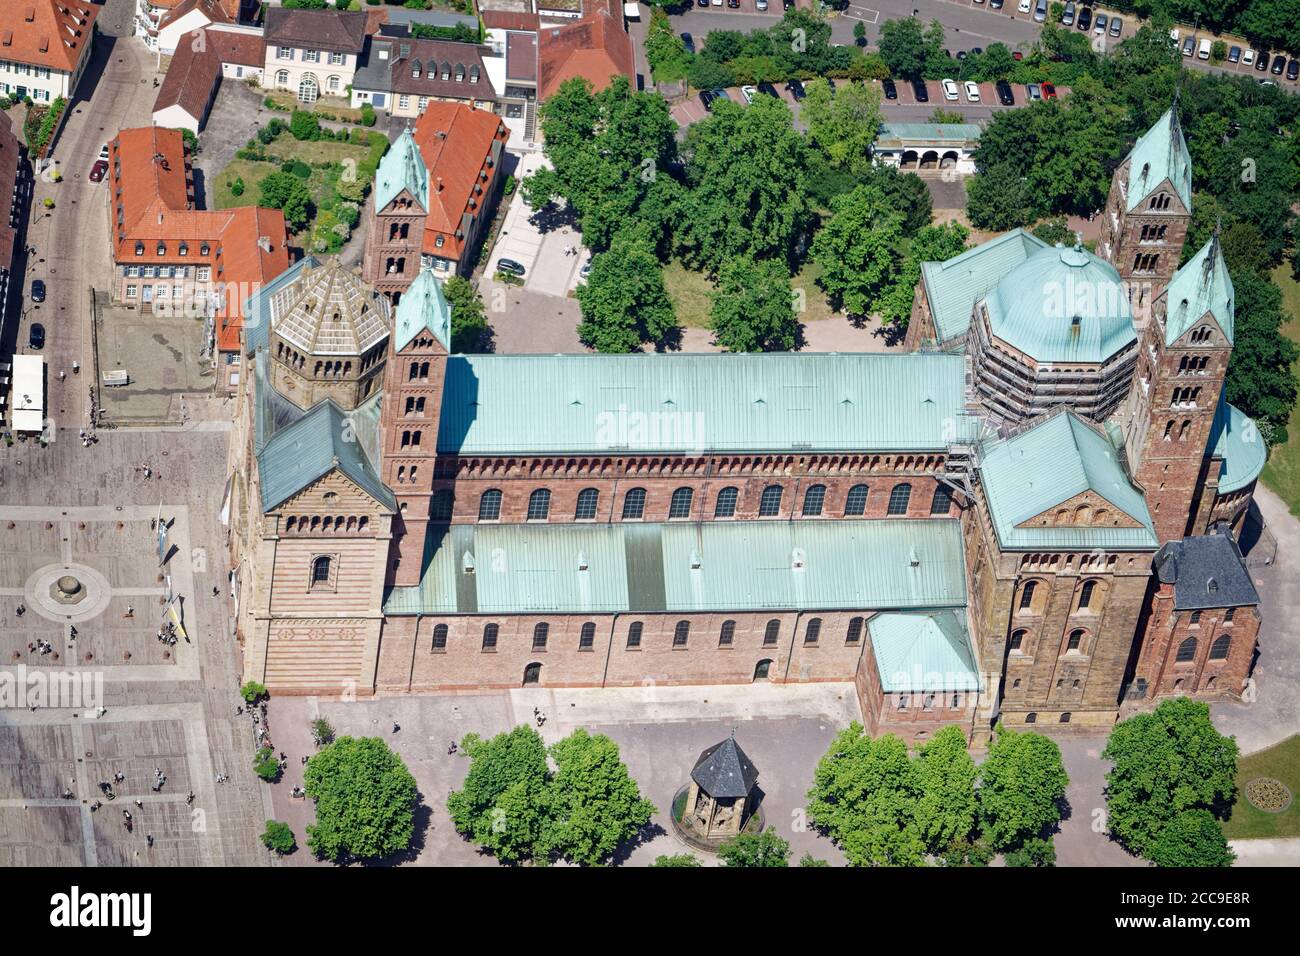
(813, 631)
(1018, 639)
(634, 634)
(680, 506)
(726, 503)
(490, 632)
(1027, 595)
(586, 507)
(856, 502)
(539, 505)
(1031, 718)
(1219, 649)
(489, 505)
(727, 634)
(681, 633)
(855, 631)
(320, 570)
(440, 637)
(1065, 717)
(282, 78)
(291, 523)
(942, 500)
(813, 499)
(898, 499)
(440, 509)
(1186, 651)
(1075, 641)
(773, 632)
(587, 636)
(540, 633)
(634, 504)
(1085, 594)
(770, 504)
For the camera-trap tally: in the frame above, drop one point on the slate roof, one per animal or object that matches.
(923, 651)
(724, 771)
(685, 567)
(1201, 286)
(1051, 462)
(394, 74)
(1235, 438)
(545, 404)
(330, 30)
(952, 287)
(1160, 154)
(1062, 305)
(1206, 571)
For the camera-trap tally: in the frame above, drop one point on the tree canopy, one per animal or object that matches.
(365, 800)
(1022, 784)
(842, 122)
(755, 849)
(857, 248)
(469, 326)
(753, 310)
(624, 302)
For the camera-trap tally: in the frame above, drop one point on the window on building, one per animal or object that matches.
(898, 499)
(1027, 595)
(1195, 618)
(489, 505)
(854, 634)
(726, 503)
(772, 633)
(727, 634)
(585, 509)
(440, 637)
(634, 634)
(681, 633)
(1219, 649)
(1186, 651)
(1075, 641)
(856, 502)
(813, 500)
(1065, 717)
(903, 701)
(539, 505)
(1031, 718)
(1018, 639)
(634, 504)
(813, 631)
(441, 507)
(680, 506)
(1229, 614)
(1085, 594)
(540, 633)
(587, 636)
(770, 504)
(941, 503)
(490, 632)
(320, 570)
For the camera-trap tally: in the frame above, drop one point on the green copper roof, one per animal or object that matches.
(303, 451)
(1050, 463)
(1160, 154)
(1235, 438)
(929, 651)
(1202, 285)
(422, 306)
(1062, 305)
(688, 566)
(930, 132)
(953, 286)
(693, 403)
(402, 167)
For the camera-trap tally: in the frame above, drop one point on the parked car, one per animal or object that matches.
(1005, 96)
(98, 170)
(1067, 17)
(949, 89)
(704, 3)
(1189, 46)
(1017, 55)
(796, 89)
(961, 54)
(1293, 70)
(1248, 58)
(734, 4)
(1049, 91)
(1100, 28)
(891, 90)
(1203, 52)
(1234, 54)
(706, 99)
(688, 41)
(787, 4)
(768, 89)
(36, 336)
(1279, 64)
(995, 4)
(760, 5)
(103, 152)
(1116, 26)
(585, 272)
(748, 92)
(1084, 20)
(1024, 6)
(919, 91)
(972, 91)
(38, 290)
(1033, 91)
(1040, 11)
(1262, 63)
(510, 267)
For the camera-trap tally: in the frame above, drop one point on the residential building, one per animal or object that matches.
(312, 53)
(196, 70)
(596, 47)
(161, 23)
(402, 75)
(44, 48)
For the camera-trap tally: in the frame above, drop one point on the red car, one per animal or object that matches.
(1017, 55)
(1049, 91)
(98, 170)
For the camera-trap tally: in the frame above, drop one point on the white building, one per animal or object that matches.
(27, 396)
(44, 48)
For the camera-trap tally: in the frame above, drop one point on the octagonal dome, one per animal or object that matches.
(1062, 305)
(333, 312)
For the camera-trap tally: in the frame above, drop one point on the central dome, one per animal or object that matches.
(334, 313)
(1062, 305)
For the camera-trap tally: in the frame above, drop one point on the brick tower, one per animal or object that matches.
(1177, 387)
(395, 234)
(1147, 213)
(412, 400)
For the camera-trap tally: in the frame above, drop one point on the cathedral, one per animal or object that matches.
(1028, 515)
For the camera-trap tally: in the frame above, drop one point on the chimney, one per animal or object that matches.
(264, 243)
(439, 186)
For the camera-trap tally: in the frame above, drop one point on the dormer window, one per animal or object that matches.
(139, 248)
(203, 249)
(460, 73)
(473, 74)
(184, 249)
(162, 248)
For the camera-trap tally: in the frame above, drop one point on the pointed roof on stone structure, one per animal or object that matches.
(333, 312)
(1201, 286)
(422, 306)
(724, 771)
(1160, 154)
(402, 168)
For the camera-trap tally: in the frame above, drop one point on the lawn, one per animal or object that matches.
(1282, 473)
(1282, 762)
(691, 291)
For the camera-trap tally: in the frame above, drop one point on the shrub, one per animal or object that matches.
(265, 765)
(279, 837)
(237, 187)
(300, 169)
(304, 126)
(272, 104)
(367, 115)
(252, 692)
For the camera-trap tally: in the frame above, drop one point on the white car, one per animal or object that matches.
(949, 89)
(1248, 58)
(1024, 6)
(748, 92)
(972, 92)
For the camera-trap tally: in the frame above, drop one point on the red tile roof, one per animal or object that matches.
(508, 20)
(455, 143)
(597, 47)
(10, 156)
(191, 78)
(51, 33)
(212, 9)
(233, 46)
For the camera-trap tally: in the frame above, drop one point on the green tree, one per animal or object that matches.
(747, 188)
(843, 122)
(284, 191)
(279, 837)
(595, 805)
(469, 325)
(755, 849)
(903, 47)
(304, 126)
(252, 692)
(945, 781)
(502, 804)
(753, 310)
(1167, 763)
(1000, 199)
(1033, 852)
(1260, 381)
(237, 186)
(1191, 838)
(860, 33)
(864, 797)
(809, 860)
(680, 859)
(365, 800)
(932, 244)
(1022, 784)
(624, 301)
(857, 249)
(322, 732)
(265, 765)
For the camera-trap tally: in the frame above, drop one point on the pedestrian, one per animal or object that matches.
(62, 375)
(239, 709)
(139, 804)
(21, 609)
(130, 611)
(216, 591)
(148, 837)
(396, 726)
